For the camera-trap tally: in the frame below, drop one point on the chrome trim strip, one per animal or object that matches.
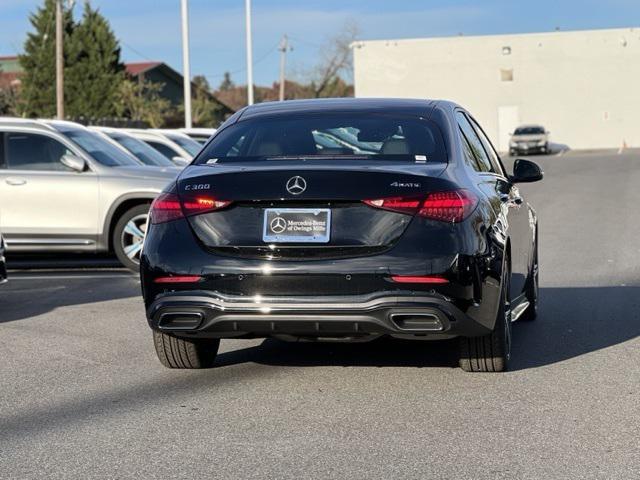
(48, 241)
(261, 304)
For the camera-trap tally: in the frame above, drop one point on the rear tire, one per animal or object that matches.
(174, 352)
(491, 352)
(128, 236)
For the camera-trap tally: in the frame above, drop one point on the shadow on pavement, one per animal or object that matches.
(572, 322)
(384, 352)
(24, 297)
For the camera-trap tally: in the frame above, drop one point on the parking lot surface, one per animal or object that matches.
(83, 395)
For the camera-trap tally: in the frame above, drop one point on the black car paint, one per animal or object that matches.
(471, 254)
(3, 263)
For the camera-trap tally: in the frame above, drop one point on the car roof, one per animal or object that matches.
(25, 122)
(169, 131)
(324, 105)
(57, 124)
(143, 132)
(198, 131)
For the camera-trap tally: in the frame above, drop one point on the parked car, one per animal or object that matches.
(65, 188)
(136, 147)
(185, 141)
(3, 263)
(200, 135)
(167, 147)
(528, 139)
(270, 234)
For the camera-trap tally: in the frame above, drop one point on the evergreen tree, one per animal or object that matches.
(227, 83)
(38, 95)
(95, 73)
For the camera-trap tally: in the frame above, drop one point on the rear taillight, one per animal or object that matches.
(396, 204)
(167, 207)
(451, 206)
(202, 204)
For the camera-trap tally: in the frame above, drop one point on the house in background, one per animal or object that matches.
(172, 81)
(10, 72)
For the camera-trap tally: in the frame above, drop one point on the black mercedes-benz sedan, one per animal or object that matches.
(343, 220)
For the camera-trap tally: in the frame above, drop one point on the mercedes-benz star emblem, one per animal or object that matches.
(296, 185)
(278, 225)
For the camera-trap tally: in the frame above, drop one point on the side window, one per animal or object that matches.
(488, 146)
(474, 143)
(469, 157)
(163, 149)
(32, 151)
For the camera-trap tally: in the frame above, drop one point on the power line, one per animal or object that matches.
(244, 69)
(137, 52)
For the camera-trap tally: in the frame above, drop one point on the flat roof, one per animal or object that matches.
(553, 33)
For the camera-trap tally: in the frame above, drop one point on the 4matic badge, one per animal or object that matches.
(406, 185)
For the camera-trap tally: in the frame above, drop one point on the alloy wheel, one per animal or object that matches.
(133, 235)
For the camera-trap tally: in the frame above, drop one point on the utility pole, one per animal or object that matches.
(247, 11)
(59, 63)
(284, 46)
(186, 68)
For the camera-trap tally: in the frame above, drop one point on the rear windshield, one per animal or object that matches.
(529, 131)
(99, 148)
(334, 136)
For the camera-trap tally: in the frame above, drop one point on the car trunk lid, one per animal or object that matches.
(305, 211)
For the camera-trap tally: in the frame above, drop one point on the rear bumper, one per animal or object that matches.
(206, 314)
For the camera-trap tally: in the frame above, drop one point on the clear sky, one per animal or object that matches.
(150, 29)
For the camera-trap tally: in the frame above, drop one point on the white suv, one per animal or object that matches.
(65, 188)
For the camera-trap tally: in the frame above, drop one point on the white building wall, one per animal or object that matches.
(582, 86)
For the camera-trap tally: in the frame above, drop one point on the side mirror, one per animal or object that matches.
(73, 162)
(526, 171)
(179, 161)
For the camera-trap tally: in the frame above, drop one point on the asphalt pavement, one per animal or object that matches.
(82, 394)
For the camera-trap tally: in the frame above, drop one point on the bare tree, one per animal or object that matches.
(336, 62)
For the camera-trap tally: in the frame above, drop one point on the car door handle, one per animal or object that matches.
(15, 181)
